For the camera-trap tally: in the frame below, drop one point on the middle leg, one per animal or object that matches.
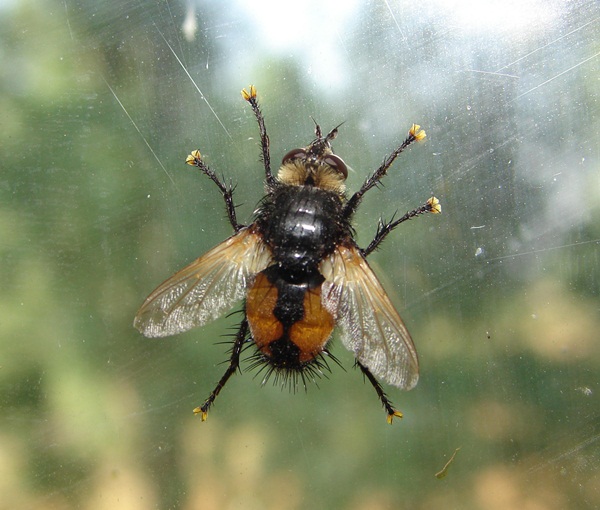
(383, 229)
(195, 159)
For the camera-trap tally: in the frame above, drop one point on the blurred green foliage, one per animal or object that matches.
(501, 292)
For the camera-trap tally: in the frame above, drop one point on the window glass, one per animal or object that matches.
(101, 103)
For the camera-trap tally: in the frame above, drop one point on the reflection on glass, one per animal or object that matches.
(101, 104)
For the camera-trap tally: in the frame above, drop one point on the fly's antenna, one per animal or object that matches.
(318, 133)
(333, 133)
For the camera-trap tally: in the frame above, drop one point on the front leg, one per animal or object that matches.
(383, 229)
(250, 96)
(195, 159)
(416, 134)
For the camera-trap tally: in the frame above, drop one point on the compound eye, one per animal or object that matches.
(294, 154)
(337, 164)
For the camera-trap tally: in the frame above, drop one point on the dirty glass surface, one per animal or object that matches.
(102, 101)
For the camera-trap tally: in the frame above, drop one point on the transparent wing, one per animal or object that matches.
(205, 289)
(370, 325)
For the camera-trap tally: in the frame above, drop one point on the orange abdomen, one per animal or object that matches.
(288, 322)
